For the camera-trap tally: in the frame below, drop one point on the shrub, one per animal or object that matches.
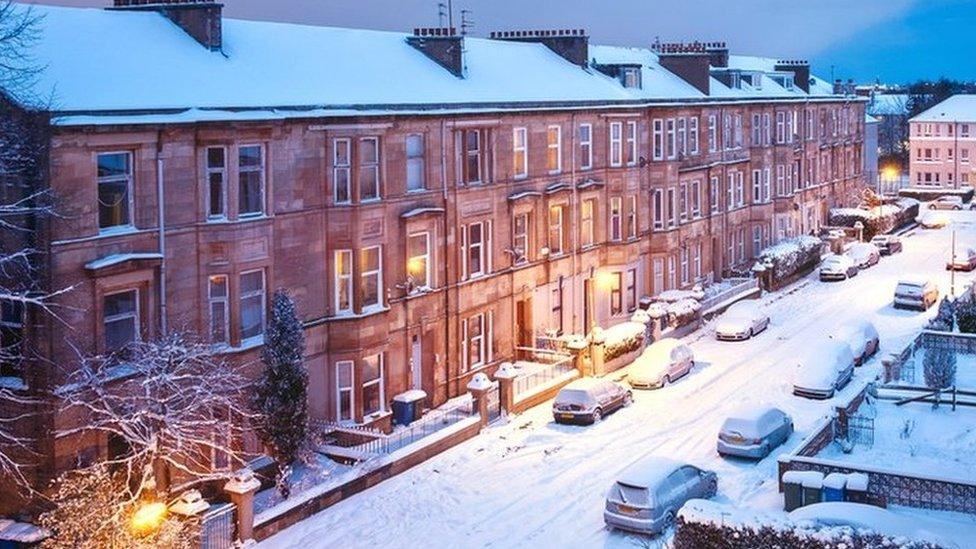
(966, 315)
(792, 255)
(623, 338)
(939, 367)
(943, 320)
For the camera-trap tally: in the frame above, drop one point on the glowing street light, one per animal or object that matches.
(148, 518)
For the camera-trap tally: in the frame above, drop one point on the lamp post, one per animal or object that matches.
(952, 271)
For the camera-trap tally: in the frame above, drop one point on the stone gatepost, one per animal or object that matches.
(658, 313)
(597, 351)
(479, 387)
(643, 317)
(505, 376)
(577, 347)
(241, 489)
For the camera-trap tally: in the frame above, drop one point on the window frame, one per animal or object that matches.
(586, 146)
(520, 170)
(340, 280)
(556, 146)
(425, 257)
(380, 381)
(616, 144)
(363, 167)
(264, 305)
(135, 315)
(631, 141)
(364, 274)
(224, 303)
(210, 171)
(128, 178)
(351, 389)
(261, 170)
(421, 159)
(338, 168)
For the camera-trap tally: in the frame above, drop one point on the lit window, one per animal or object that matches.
(418, 259)
(371, 277)
(343, 281)
(554, 156)
(114, 190)
(615, 218)
(520, 156)
(555, 230)
(586, 222)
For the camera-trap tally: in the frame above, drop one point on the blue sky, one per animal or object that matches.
(897, 40)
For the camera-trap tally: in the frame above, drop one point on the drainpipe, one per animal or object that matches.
(446, 282)
(575, 209)
(160, 212)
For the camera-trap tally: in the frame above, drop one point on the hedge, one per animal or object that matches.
(921, 193)
(697, 535)
(879, 220)
(792, 255)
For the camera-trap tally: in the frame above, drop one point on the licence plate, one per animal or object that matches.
(566, 416)
(627, 510)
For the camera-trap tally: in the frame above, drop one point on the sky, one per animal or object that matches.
(894, 40)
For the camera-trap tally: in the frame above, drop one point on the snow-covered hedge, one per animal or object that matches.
(965, 311)
(792, 255)
(683, 312)
(706, 524)
(876, 220)
(623, 338)
(673, 296)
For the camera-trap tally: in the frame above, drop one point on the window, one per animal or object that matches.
(616, 146)
(250, 162)
(730, 199)
(632, 216)
(964, 156)
(631, 143)
(672, 208)
(340, 171)
(556, 300)
(693, 135)
(756, 186)
(737, 119)
(682, 137)
(697, 258)
(121, 319)
(114, 190)
(780, 127)
(586, 146)
(631, 77)
(672, 272)
(658, 131)
(766, 128)
(369, 169)
(756, 240)
(672, 145)
(252, 306)
(11, 336)
(740, 189)
(685, 272)
(781, 180)
(730, 258)
(216, 183)
(756, 129)
(371, 277)
(658, 267)
(586, 222)
(520, 238)
(555, 230)
(343, 281)
(616, 297)
(615, 218)
(475, 249)
(416, 172)
(344, 392)
(418, 260)
(219, 310)
(476, 340)
(658, 209)
(696, 198)
(631, 290)
(554, 155)
(712, 133)
(374, 392)
(714, 193)
(520, 154)
(683, 201)
(471, 166)
(765, 182)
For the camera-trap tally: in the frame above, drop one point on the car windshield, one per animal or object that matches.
(630, 495)
(832, 262)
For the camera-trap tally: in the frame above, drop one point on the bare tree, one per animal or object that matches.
(172, 406)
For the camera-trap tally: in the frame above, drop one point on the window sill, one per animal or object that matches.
(117, 230)
(246, 345)
(353, 316)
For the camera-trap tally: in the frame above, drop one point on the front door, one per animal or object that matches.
(523, 322)
(416, 363)
(587, 305)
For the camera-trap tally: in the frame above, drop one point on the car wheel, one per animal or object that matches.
(711, 488)
(597, 415)
(931, 206)
(628, 399)
(666, 381)
(752, 332)
(957, 208)
(766, 450)
(668, 520)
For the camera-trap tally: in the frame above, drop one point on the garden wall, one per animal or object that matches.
(920, 193)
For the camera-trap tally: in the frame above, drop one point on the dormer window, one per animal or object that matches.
(788, 82)
(757, 81)
(630, 77)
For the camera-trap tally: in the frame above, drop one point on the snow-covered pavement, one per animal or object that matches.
(533, 482)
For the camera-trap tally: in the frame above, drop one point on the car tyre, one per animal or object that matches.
(752, 332)
(666, 380)
(711, 488)
(668, 520)
(628, 399)
(597, 415)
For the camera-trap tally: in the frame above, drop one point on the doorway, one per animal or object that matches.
(416, 363)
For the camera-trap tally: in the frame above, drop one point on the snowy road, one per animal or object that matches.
(533, 482)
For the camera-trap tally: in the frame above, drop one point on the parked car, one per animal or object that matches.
(837, 267)
(864, 254)
(648, 494)
(861, 336)
(587, 400)
(753, 431)
(946, 203)
(661, 363)
(962, 260)
(932, 220)
(887, 243)
(827, 368)
(741, 321)
(916, 293)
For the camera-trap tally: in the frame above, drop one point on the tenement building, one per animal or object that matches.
(432, 201)
(943, 144)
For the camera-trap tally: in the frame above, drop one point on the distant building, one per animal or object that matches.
(891, 112)
(871, 126)
(943, 142)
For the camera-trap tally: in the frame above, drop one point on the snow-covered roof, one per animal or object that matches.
(112, 66)
(648, 472)
(958, 108)
(887, 104)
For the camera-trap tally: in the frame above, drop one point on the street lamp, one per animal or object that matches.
(147, 518)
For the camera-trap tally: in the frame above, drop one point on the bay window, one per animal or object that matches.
(341, 167)
(374, 389)
(250, 167)
(632, 216)
(253, 306)
(615, 218)
(371, 278)
(520, 238)
(216, 183)
(369, 169)
(345, 399)
(586, 222)
(343, 281)
(121, 319)
(418, 260)
(556, 230)
(218, 297)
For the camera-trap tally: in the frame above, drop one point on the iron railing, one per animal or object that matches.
(540, 373)
(741, 286)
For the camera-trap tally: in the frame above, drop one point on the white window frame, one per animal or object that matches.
(712, 133)
(693, 135)
(631, 143)
(658, 143)
(558, 228)
(264, 305)
(587, 215)
(616, 218)
(381, 381)
(341, 168)
(130, 200)
(425, 257)
(341, 280)
(364, 167)
(412, 160)
(672, 148)
(219, 301)
(616, 144)
(378, 273)
(714, 193)
(586, 146)
(520, 142)
(348, 389)
(135, 315)
(632, 216)
(222, 172)
(557, 146)
(658, 209)
(261, 170)
(695, 198)
(483, 248)
(485, 320)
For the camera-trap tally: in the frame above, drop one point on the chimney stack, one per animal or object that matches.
(800, 69)
(718, 54)
(201, 19)
(443, 45)
(689, 61)
(838, 87)
(573, 45)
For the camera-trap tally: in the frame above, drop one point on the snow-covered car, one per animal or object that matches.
(861, 336)
(647, 494)
(587, 400)
(887, 243)
(837, 267)
(932, 220)
(741, 321)
(661, 363)
(962, 260)
(753, 431)
(861, 516)
(864, 254)
(836, 233)
(946, 203)
(827, 368)
(915, 293)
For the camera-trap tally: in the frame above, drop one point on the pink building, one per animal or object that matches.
(943, 144)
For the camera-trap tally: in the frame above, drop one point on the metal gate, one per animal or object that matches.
(217, 530)
(494, 402)
(860, 430)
